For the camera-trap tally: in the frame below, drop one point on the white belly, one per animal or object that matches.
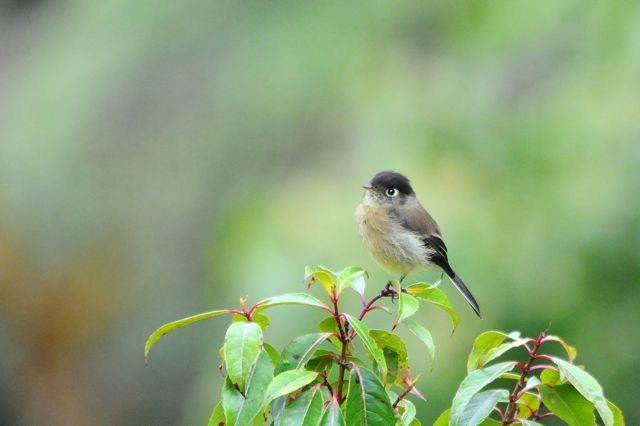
(393, 246)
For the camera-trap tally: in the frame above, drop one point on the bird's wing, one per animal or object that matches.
(415, 218)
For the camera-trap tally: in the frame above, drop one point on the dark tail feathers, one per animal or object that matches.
(462, 288)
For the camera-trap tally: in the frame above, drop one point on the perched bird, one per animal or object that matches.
(400, 234)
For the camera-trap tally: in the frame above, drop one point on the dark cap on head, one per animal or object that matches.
(390, 179)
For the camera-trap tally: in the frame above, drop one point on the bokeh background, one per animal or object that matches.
(159, 159)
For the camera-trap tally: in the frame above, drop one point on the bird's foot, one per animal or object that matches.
(390, 291)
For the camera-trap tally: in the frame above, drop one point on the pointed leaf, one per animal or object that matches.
(172, 326)
(348, 277)
(328, 325)
(525, 422)
(472, 384)
(572, 352)
(531, 383)
(408, 413)
(551, 377)
(287, 382)
(490, 421)
(260, 319)
(305, 410)
(290, 299)
(231, 400)
(588, 387)
(393, 342)
(323, 275)
(370, 345)
(217, 417)
(443, 419)
(407, 306)
(395, 355)
(618, 418)
(367, 402)
(435, 296)
(273, 353)
(488, 346)
(333, 415)
(527, 404)
(253, 402)
(359, 286)
(480, 406)
(567, 403)
(299, 351)
(425, 336)
(241, 349)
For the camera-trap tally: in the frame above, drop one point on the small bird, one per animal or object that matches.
(400, 234)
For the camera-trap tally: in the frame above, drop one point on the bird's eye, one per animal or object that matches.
(392, 192)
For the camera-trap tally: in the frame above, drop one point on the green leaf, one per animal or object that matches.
(290, 299)
(618, 418)
(424, 335)
(241, 349)
(587, 386)
(572, 352)
(525, 422)
(172, 326)
(260, 377)
(567, 403)
(217, 417)
(333, 415)
(408, 412)
(480, 406)
(260, 319)
(471, 385)
(527, 404)
(321, 359)
(531, 383)
(550, 377)
(393, 342)
(443, 419)
(277, 407)
(273, 353)
(489, 421)
(287, 382)
(232, 400)
(328, 325)
(435, 296)
(395, 355)
(407, 306)
(325, 276)
(299, 351)
(348, 277)
(510, 376)
(367, 401)
(370, 345)
(488, 346)
(305, 410)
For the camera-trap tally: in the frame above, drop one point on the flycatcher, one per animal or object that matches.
(400, 234)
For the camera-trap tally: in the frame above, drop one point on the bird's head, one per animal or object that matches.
(388, 188)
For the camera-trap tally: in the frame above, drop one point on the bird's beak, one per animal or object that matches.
(370, 188)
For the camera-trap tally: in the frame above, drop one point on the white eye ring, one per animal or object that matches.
(392, 192)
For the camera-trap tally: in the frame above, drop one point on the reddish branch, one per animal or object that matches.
(343, 353)
(404, 393)
(508, 416)
(345, 336)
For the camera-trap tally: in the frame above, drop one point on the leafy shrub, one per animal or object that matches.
(319, 379)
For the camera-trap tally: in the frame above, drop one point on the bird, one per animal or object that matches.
(400, 234)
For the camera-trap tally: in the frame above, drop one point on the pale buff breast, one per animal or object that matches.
(390, 244)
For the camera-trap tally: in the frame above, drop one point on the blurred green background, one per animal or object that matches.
(158, 159)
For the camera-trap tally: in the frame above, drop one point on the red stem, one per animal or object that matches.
(507, 419)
